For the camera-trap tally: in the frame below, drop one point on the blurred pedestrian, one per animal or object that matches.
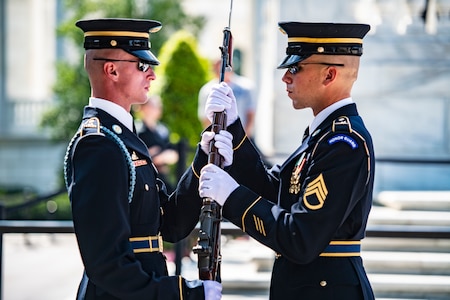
(156, 136)
(243, 91)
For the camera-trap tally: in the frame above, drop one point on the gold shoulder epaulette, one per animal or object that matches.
(342, 124)
(91, 125)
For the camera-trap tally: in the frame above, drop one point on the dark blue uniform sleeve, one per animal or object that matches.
(299, 225)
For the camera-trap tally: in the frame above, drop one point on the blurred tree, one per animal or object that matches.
(181, 75)
(72, 85)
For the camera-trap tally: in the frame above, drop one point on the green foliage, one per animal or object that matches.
(181, 75)
(54, 208)
(72, 86)
(72, 89)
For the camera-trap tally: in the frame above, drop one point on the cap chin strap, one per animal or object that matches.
(308, 50)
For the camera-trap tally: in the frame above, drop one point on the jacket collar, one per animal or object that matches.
(129, 138)
(347, 110)
(327, 111)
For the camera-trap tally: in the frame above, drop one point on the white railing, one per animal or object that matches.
(22, 117)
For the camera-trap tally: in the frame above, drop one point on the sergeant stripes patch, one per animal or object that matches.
(315, 194)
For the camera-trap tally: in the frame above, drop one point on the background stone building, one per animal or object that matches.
(403, 90)
(28, 52)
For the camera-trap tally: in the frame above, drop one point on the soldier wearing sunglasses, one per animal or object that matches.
(120, 208)
(312, 210)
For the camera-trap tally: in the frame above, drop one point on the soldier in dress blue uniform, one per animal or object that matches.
(121, 211)
(312, 210)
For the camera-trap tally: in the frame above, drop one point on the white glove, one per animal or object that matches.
(213, 290)
(223, 142)
(219, 99)
(216, 184)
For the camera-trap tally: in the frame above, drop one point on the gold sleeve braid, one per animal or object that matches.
(193, 171)
(180, 286)
(240, 143)
(246, 211)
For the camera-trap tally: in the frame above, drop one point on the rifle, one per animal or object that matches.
(208, 242)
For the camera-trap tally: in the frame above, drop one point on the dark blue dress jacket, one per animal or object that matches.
(320, 195)
(99, 181)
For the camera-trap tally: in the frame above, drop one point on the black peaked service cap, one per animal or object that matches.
(306, 39)
(131, 35)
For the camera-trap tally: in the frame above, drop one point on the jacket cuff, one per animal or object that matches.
(238, 132)
(200, 160)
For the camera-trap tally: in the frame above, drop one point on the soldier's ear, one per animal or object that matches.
(330, 75)
(110, 70)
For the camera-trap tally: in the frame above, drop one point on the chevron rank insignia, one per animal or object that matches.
(315, 194)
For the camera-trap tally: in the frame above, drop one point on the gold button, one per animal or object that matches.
(323, 283)
(146, 187)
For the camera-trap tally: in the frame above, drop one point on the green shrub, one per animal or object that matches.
(179, 78)
(54, 208)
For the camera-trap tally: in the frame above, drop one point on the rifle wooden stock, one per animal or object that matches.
(219, 123)
(208, 243)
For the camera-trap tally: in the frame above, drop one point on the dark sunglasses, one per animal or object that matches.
(142, 65)
(295, 68)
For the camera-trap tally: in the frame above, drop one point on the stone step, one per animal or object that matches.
(399, 268)
(424, 263)
(239, 273)
(380, 215)
(410, 286)
(398, 286)
(415, 200)
(395, 286)
(406, 245)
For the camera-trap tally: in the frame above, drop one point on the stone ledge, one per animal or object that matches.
(407, 262)
(380, 215)
(415, 200)
(401, 286)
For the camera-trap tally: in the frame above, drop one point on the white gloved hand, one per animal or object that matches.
(216, 184)
(207, 137)
(213, 290)
(223, 141)
(219, 99)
